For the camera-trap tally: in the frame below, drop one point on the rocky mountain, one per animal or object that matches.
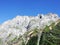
(19, 30)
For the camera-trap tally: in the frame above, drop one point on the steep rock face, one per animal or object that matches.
(13, 30)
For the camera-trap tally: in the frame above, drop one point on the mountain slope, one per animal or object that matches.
(20, 29)
(48, 36)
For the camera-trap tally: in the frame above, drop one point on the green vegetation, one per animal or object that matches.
(33, 41)
(48, 37)
(1, 42)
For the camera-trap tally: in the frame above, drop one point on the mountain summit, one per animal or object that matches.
(15, 28)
